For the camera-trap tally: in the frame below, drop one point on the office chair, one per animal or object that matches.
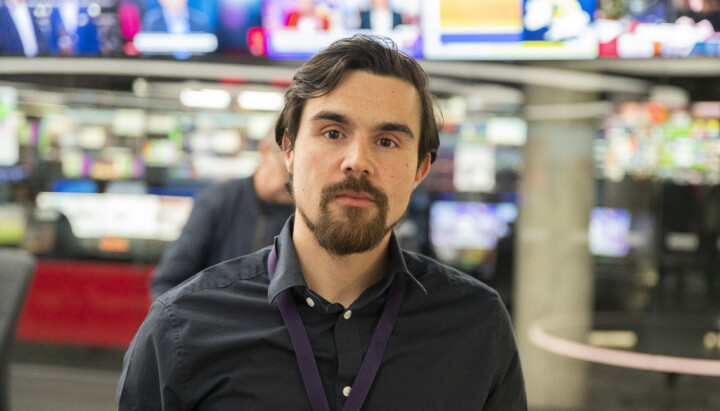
(16, 271)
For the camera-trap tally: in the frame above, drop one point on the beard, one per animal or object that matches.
(356, 231)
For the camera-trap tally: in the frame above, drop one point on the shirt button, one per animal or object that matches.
(310, 302)
(347, 314)
(346, 391)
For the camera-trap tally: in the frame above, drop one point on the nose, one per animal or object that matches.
(358, 158)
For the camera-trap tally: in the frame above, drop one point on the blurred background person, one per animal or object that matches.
(229, 220)
(309, 17)
(176, 17)
(19, 30)
(74, 31)
(696, 11)
(380, 17)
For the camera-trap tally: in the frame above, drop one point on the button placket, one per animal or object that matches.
(350, 354)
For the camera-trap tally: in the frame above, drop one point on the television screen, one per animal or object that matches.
(9, 127)
(179, 28)
(509, 29)
(174, 28)
(658, 28)
(609, 232)
(474, 167)
(113, 215)
(59, 28)
(462, 232)
(239, 29)
(297, 29)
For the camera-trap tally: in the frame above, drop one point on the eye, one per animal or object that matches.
(332, 134)
(386, 142)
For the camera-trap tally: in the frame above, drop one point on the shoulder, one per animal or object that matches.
(221, 192)
(152, 16)
(198, 19)
(447, 282)
(222, 280)
(225, 188)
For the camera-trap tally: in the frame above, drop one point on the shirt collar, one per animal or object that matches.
(288, 273)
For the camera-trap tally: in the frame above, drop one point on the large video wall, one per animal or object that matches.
(296, 29)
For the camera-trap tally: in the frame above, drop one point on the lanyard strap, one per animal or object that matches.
(306, 359)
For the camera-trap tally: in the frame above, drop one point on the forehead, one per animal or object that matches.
(369, 99)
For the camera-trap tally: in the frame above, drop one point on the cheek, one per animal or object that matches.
(400, 186)
(307, 174)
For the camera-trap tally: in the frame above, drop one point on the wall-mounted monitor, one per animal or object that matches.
(112, 215)
(59, 28)
(509, 29)
(178, 28)
(658, 28)
(297, 29)
(609, 232)
(462, 233)
(171, 28)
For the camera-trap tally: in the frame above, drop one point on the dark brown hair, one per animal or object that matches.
(374, 54)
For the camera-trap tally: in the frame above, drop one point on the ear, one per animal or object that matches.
(422, 171)
(287, 152)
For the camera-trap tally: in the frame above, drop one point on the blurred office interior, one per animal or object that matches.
(578, 174)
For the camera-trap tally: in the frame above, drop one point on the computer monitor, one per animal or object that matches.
(463, 233)
(609, 234)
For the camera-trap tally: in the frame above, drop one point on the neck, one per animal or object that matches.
(338, 279)
(260, 189)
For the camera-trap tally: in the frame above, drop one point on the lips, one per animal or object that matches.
(354, 192)
(356, 195)
(355, 199)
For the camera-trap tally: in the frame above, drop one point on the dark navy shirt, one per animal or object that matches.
(218, 341)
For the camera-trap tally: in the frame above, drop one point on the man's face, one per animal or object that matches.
(174, 6)
(275, 176)
(354, 163)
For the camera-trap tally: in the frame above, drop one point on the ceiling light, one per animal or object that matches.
(205, 98)
(260, 100)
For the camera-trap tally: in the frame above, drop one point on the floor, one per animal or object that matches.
(63, 378)
(77, 379)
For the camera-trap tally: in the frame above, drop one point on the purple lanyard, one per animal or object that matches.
(306, 359)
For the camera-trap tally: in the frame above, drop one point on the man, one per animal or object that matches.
(74, 30)
(175, 16)
(349, 319)
(20, 34)
(380, 17)
(229, 220)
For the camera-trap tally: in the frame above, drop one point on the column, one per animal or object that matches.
(553, 264)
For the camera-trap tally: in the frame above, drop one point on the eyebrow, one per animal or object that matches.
(402, 128)
(332, 116)
(339, 118)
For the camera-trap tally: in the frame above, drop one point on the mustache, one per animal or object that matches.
(360, 185)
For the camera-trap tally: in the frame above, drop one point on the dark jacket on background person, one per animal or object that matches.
(84, 41)
(197, 21)
(228, 220)
(10, 41)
